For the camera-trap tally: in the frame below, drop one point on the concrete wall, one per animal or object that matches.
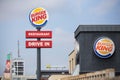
(57, 77)
(72, 61)
(98, 75)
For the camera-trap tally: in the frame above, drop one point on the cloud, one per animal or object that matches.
(53, 4)
(16, 9)
(104, 7)
(63, 36)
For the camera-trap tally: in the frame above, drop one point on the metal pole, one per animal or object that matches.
(11, 65)
(38, 61)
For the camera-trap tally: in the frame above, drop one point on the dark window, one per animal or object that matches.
(16, 69)
(15, 63)
(20, 73)
(20, 63)
(12, 71)
(16, 73)
(20, 69)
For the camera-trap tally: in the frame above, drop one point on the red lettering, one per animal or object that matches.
(33, 19)
(104, 48)
(39, 17)
(98, 47)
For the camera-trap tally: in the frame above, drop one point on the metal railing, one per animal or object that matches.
(98, 75)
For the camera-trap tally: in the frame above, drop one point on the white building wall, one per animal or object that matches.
(18, 66)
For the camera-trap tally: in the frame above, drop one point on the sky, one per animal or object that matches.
(64, 18)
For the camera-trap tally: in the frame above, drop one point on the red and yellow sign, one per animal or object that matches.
(104, 47)
(38, 17)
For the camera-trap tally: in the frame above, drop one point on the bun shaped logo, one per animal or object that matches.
(104, 47)
(38, 17)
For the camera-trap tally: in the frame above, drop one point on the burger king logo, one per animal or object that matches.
(38, 17)
(104, 47)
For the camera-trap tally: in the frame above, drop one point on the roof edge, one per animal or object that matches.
(96, 28)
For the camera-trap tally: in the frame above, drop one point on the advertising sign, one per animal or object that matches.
(38, 17)
(38, 34)
(104, 47)
(39, 44)
(7, 69)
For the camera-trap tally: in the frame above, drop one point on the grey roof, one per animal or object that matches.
(71, 52)
(54, 71)
(97, 28)
(51, 72)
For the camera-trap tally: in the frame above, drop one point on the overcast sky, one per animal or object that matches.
(64, 18)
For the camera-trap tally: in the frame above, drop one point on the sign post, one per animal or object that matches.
(38, 61)
(38, 18)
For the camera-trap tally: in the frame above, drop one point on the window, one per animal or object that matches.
(20, 69)
(15, 63)
(20, 63)
(16, 69)
(20, 73)
(70, 66)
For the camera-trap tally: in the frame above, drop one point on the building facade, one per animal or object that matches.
(72, 61)
(18, 67)
(99, 47)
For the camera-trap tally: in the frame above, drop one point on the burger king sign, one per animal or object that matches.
(38, 17)
(104, 47)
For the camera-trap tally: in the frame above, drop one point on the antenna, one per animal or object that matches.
(18, 49)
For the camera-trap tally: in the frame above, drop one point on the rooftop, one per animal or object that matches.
(97, 28)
